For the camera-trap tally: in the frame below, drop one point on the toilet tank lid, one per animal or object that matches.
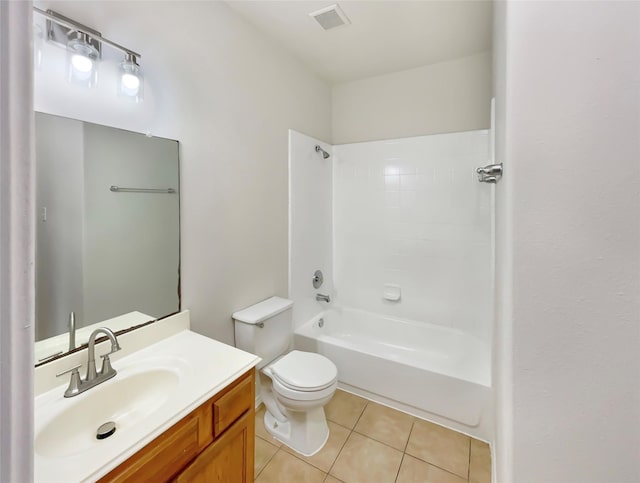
(262, 310)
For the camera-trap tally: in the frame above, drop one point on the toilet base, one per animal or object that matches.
(304, 432)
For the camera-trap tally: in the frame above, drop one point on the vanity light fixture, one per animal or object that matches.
(84, 51)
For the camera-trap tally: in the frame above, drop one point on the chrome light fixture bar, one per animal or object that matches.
(69, 24)
(84, 47)
(61, 29)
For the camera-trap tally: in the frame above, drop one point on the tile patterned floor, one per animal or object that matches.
(372, 443)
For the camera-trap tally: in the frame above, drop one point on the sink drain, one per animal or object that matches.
(106, 430)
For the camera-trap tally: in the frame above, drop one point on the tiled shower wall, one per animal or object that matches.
(411, 213)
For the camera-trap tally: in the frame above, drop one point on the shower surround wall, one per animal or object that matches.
(310, 219)
(405, 214)
(411, 213)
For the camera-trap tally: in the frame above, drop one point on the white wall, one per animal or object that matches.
(570, 119)
(310, 230)
(411, 213)
(229, 95)
(60, 235)
(445, 97)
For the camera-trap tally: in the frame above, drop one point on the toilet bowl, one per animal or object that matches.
(294, 386)
(298, 386)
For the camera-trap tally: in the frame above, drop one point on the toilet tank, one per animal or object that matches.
(265, 328)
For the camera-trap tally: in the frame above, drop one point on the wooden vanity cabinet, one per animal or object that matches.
(214, 443)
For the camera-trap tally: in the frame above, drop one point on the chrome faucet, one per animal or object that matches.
(323, 298)
(106, 363)
(77, 385)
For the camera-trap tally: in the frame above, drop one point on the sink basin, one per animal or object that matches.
(127, 399)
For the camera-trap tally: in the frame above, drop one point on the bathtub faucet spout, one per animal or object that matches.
(323, 298)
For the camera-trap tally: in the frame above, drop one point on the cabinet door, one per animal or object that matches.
(229, 459)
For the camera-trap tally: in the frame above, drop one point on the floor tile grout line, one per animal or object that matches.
(278, 448)
(255, 477)
(406, 445)
(297, 455)
(337, 479)
(270, 442)
(469, 467)
(432, 464)
(338, 455)
(413, 418)
(378, 441)
(399, 467)
(339, 424)
(360, 416)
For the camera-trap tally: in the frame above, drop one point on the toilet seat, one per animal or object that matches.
(304, 371)
(300, 396)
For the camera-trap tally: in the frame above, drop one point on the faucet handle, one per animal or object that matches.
(106, 364)
(74, 382)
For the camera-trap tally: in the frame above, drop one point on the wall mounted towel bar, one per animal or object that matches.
(118, 189)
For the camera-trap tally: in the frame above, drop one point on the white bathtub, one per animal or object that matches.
(431, 371)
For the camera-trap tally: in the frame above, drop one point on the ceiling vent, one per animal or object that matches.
(330, 17)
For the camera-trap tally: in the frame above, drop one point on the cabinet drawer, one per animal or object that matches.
(230, 406)
(163, 457)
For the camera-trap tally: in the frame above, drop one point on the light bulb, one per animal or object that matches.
(37, 47)
(82, 57)
(81, 63)
(131, 79)
(131, 83)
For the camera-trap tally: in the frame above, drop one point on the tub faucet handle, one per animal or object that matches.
(317, 279)
(491, 173)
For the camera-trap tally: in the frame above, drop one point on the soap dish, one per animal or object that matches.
(391, 292)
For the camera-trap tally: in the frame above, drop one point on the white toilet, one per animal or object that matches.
(294, 386)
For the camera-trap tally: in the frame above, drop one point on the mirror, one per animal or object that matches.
(108, 231)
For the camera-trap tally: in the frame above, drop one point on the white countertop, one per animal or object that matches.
(204, 366)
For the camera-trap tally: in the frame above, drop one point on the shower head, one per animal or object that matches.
(325, 154)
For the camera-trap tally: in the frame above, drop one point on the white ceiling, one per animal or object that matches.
(384, 36)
